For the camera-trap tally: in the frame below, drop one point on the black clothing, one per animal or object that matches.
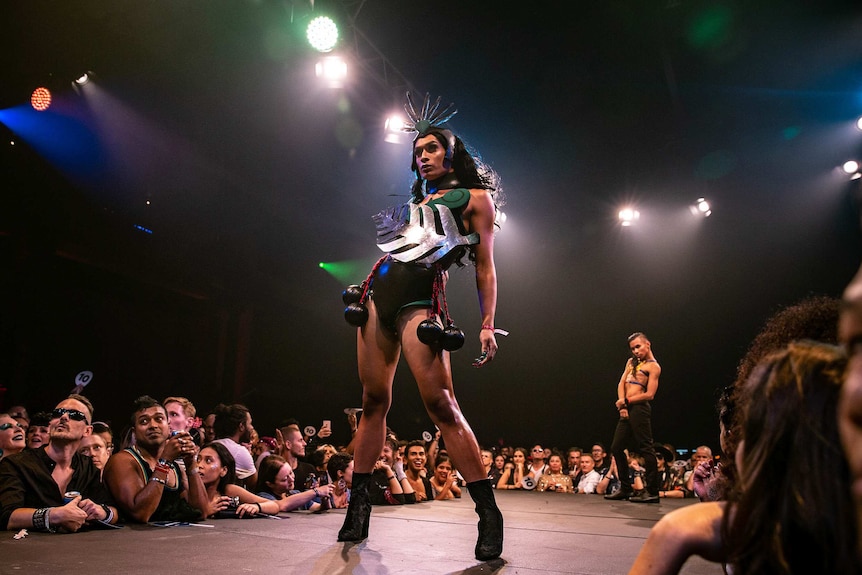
(635, 434)
(26, 481)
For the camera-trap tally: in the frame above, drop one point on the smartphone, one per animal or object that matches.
(327, 423)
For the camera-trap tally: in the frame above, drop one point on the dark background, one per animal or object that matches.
(205, 125)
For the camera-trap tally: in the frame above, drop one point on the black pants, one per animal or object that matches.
(635, 434)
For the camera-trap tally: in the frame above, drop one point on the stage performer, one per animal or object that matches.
(637, 387)
(401, 308)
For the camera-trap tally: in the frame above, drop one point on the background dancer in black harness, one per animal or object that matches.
(452, 213)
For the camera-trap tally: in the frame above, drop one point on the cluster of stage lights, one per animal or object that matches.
(852, 167)
(629, 216)
(41, 97)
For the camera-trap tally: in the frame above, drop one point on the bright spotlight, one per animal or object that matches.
(859, 123)
(333, 70)
(629, 216)
(701, 208)
(393, 129)
(850, 167)
(83, 79)
(41, 99)
(322, 34)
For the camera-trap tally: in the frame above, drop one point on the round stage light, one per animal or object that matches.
(850, 167)
(629, 216)
(322, 34)
(41, 99)
(701, 208)
(859, 123)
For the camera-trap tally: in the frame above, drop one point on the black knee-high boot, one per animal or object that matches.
(355, 526)
(490, 543)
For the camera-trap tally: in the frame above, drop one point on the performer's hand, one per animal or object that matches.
(489, 347)
(702, 476)
(624, 413)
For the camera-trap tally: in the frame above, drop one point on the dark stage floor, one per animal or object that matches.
(545, 534)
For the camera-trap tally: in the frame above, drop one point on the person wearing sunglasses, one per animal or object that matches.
(33, 482)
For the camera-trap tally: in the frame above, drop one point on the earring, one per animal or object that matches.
(342, 484)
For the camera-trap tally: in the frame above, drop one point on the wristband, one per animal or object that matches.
(40, 519)
(316, 492)
(48, 527)
(109, 514)
(259, 508)
(491, 327)
(157, 480)
(391, 477)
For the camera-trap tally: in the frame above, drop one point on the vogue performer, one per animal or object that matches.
(401, 309)
(636, 388)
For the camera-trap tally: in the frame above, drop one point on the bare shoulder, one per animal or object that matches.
(122, 468)
(120, 462)
(696, 527)
(481, 200)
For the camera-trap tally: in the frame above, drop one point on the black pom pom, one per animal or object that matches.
(352, 294)
(429, 332)
(453, 338)
(356, 314)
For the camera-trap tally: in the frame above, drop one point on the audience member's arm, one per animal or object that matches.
(433, 449)
(448, 486)
(196, 492)
(138, 500)
(393, 483)
(297, 500)
(66, 518)
(503, 482)
(690, 530)
(605, 481)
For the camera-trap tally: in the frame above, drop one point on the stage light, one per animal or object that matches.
(850, 167)
(322, 34)
(859, 123)
(393, 129)
(82, 79)
(333, 70)
(701, 208)
(41, 99)
(628, 216)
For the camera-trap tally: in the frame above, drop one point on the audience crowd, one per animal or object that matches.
(169, 464)
(61, 471)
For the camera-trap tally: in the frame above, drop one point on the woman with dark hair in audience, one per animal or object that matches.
(790, 511)
(340, 470)
(514, 472)
(444, 481)
(388, 484)
(218, 470)
(37, 433)
(276, 483)
(812, 318)
(497, 469)
(554, 479)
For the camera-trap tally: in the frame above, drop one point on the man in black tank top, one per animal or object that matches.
(637, 387)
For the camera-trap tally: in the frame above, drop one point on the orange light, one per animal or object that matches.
(41, 99)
